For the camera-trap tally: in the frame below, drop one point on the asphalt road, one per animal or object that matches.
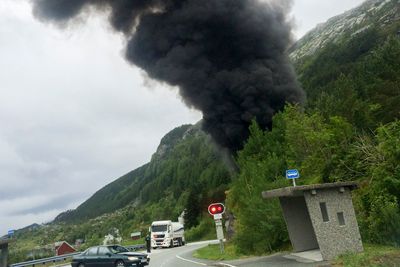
(176, 257)
(179, 256)
(182, 257)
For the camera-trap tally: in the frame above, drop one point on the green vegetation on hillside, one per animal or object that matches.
(357, 79)
(348, 131)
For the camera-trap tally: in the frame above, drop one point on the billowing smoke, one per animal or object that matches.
(228, 57)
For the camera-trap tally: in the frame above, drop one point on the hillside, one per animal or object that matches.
(372, 13)
(355, 75)
(349, 130)
(184, 159)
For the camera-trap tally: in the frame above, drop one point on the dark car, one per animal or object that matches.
(110, 256)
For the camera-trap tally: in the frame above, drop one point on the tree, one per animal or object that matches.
(192, 209)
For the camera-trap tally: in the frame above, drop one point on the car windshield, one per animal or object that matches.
(91, 251)
(118, 249)
(159, 228)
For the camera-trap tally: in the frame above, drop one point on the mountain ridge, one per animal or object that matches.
(138, 186)
(380, 13)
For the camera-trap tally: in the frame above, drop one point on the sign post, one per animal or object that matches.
(217, 209)
(293, 175)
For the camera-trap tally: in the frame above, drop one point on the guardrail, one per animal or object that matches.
(65, 257)
(46, 260)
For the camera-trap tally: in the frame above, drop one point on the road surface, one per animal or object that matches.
(179, 256)
(176, 257)
(182, 257)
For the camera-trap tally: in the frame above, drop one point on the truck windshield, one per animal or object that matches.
(159, 228)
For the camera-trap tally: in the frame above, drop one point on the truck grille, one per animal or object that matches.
(159, 236)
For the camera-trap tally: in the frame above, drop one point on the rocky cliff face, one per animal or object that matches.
(372, 13)
(175, 136)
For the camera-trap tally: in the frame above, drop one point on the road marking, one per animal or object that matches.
(226, 264)
(195, 262)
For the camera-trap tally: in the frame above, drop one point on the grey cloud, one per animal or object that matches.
(61, 127)
(55, 203)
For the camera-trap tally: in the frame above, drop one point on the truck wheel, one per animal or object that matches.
(180, 242)
(171, 245)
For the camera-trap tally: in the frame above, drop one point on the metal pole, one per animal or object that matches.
(294, 182)
(220, 234)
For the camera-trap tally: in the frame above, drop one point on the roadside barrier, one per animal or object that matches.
(63, 258)
(56, 259)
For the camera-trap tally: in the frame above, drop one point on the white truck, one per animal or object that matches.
(167, 234)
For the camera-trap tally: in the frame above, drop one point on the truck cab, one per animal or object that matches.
(166, 234)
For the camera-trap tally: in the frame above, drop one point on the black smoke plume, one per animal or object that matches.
(228, 57)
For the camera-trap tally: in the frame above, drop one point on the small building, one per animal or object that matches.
(320, 217)
(63, 248)
(136, 235)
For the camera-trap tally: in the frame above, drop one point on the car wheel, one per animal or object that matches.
(119, 264)
(81, 265)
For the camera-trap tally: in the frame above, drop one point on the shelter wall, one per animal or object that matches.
(299, 224)
(340, 233)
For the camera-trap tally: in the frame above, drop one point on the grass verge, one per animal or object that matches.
(213, 252)
(373, 255)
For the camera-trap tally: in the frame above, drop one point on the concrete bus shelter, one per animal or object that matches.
(4, 252)
(320, 217)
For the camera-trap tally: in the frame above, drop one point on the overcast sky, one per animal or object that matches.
(75, 116)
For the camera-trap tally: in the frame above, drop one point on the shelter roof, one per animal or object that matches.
(299, 190)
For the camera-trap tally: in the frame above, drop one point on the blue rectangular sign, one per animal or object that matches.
(11, 232)
(292, 174)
